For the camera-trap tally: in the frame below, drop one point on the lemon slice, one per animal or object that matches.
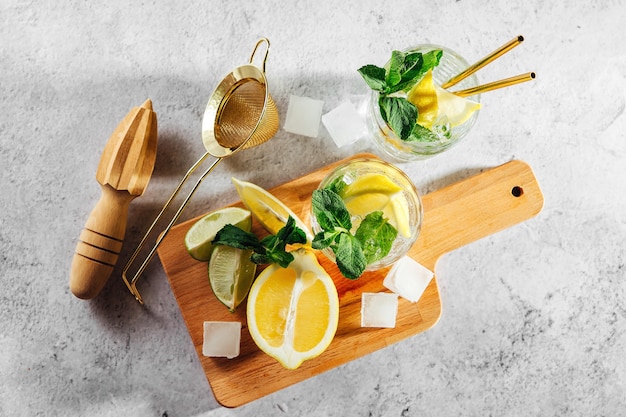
(231, 273)
(370, 183)
(434, 102)
(373, 192)
(199, 237)
(363, 204)
(293, 312)
(424, 96)
(397, 211)
(267, 209)
(457, 109)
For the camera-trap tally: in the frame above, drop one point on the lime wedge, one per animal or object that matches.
(199, 237)
(231, 273)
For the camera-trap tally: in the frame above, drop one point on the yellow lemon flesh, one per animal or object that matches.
(424, 96)
(434, 102)
(370, 183)
(267, 209)
(457, 109)
(293, 312)
(376, 192)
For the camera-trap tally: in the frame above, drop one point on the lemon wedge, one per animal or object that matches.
(424, 96)
(370, 183)
(434, 102)
(397, 211)
(374, 192)
(363, 204)
(457, 109)
(267, 209)
(293, 312)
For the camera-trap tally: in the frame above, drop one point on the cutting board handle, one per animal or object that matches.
(476, 207)
(100, 243)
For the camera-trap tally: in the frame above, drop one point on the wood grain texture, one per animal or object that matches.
(124, 171)
(453, 216)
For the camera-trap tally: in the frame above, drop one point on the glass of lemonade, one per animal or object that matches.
(446, 134)
(367, 185)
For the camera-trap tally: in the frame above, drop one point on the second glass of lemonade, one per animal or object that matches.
(373, 185)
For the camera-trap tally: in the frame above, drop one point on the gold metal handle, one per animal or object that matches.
(267, 52)
(132, 283)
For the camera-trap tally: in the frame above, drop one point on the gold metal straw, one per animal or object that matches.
(486, 60)
(495, 85)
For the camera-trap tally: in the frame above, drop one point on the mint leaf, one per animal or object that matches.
(233, 236)
(400, 115)
(376, 236)
(396, 68)
(271, 249)
(431, 60)
(415, 66)
(290, 233)
(330, 210)
(421, 134)
(374, 77)
(324, 239)
(281, 258)
(371, 242)
(349, 256)
(403, 72)
(337, 185)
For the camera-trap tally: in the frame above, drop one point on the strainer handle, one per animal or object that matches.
(267, 51)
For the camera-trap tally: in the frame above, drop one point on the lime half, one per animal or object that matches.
(231, 273)
(199, 237)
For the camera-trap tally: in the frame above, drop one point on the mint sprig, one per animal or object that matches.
(403, 72)
(270, 249)
(372, 240)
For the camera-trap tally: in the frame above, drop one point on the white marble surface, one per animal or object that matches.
(534, 317)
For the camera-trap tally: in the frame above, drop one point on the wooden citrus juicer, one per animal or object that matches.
(125, 168)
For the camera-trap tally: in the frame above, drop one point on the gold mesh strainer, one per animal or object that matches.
(240, 114)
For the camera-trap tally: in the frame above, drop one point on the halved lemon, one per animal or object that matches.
(293, 312)
(267, 209)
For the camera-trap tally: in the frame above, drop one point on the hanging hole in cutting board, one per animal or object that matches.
(517, 191)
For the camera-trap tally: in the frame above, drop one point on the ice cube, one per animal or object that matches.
(379, 309)
(303, 116)
(221, 339)
(408, 278)
(345, 124)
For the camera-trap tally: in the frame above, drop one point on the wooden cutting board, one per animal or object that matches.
(453, 216)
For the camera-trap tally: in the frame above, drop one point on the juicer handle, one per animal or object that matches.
(100, 243)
